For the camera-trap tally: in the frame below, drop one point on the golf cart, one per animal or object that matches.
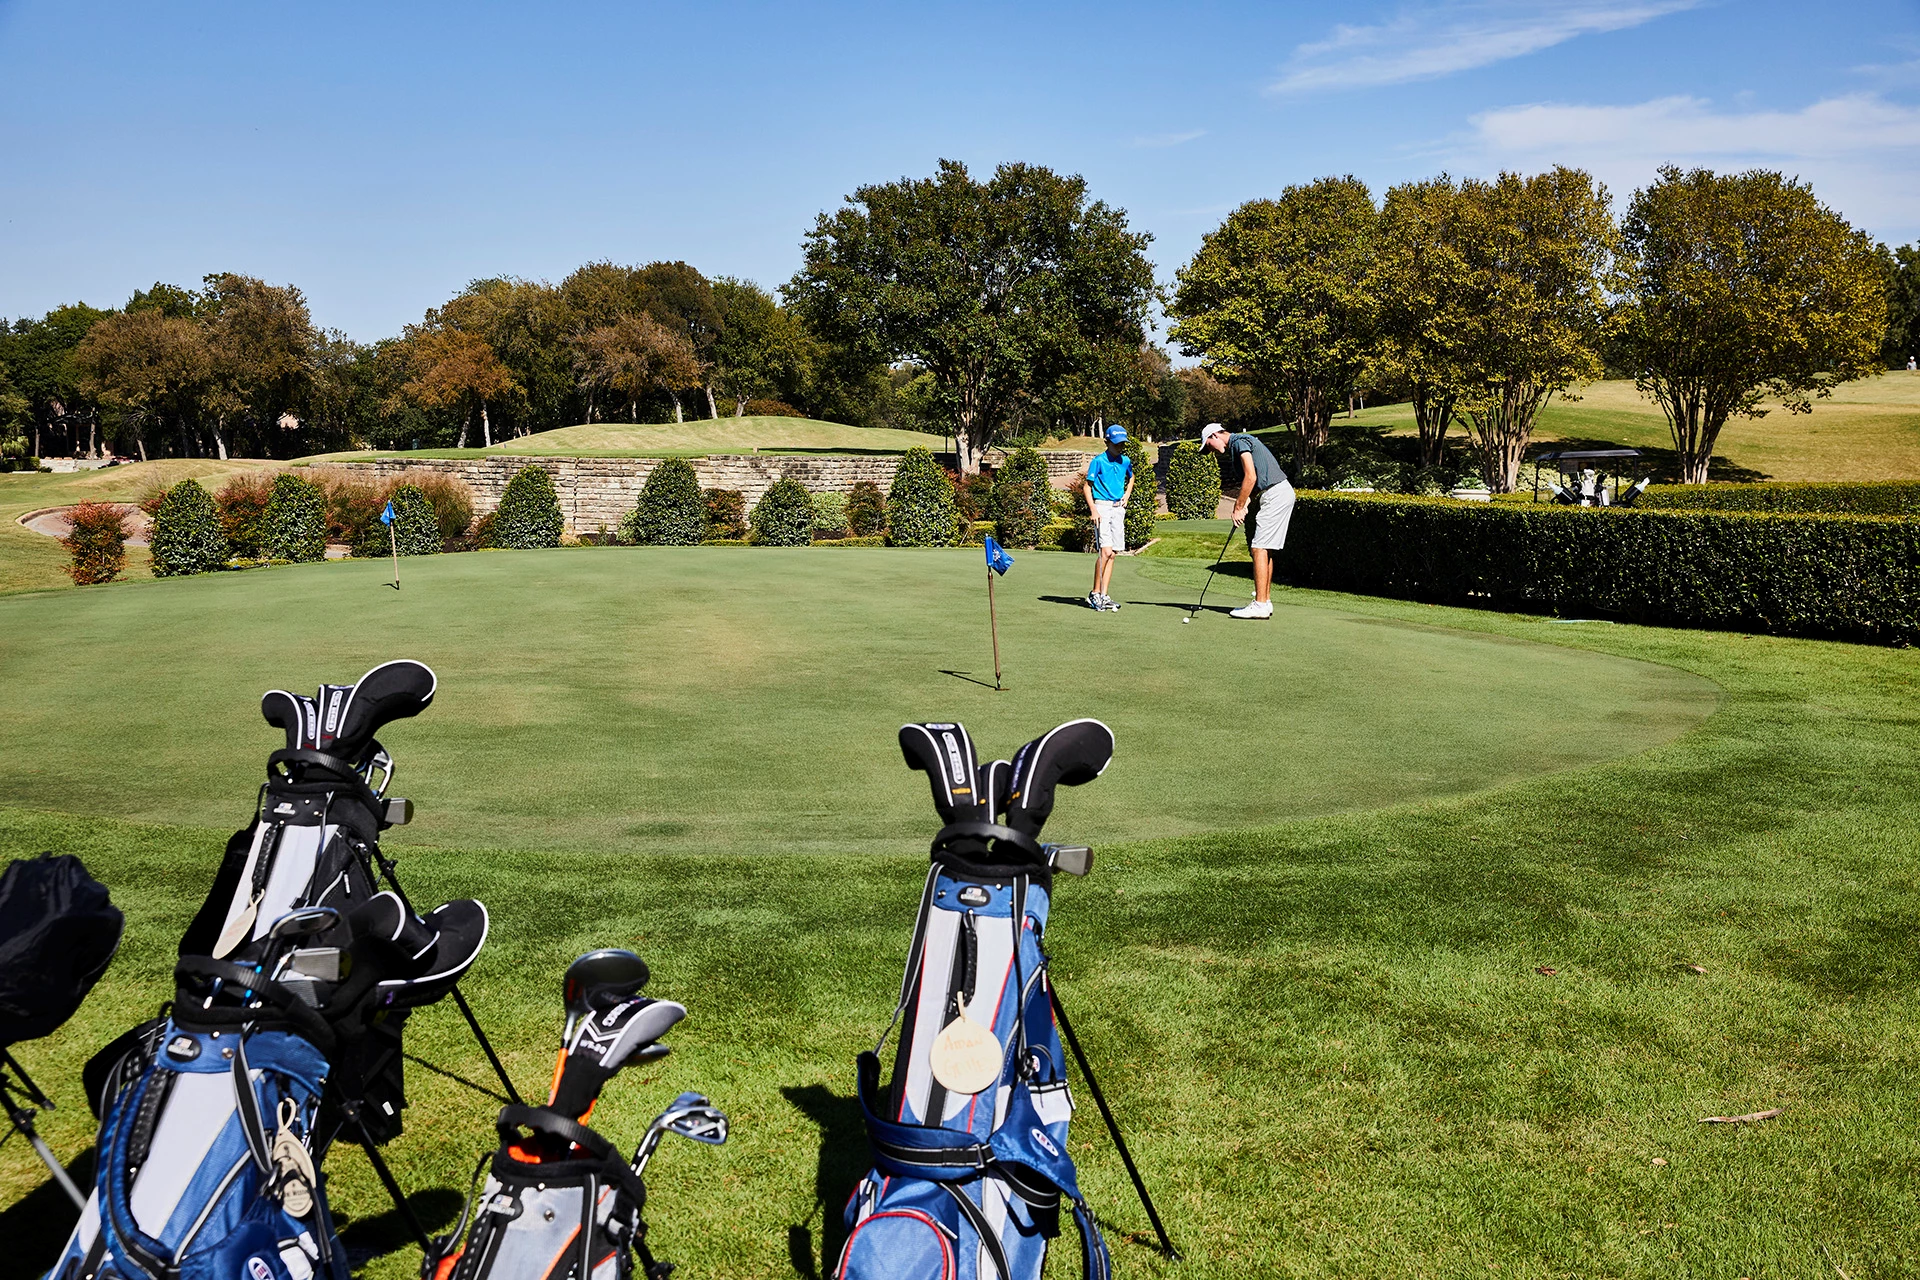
(1593, 477)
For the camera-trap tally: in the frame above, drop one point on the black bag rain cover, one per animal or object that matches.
(58, 931)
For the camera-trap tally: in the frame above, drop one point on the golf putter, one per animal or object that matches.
(1216, 568)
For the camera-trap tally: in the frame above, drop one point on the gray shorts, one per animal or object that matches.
(1110, 520)
(1268, 515)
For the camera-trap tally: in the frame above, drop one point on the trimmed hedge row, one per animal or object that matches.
(1844, 577)
(1871, 498)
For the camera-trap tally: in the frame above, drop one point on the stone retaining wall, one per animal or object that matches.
(598, 492)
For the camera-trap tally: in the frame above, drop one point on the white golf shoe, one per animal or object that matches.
(1258, 609)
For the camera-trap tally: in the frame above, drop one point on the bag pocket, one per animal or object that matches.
(897, 1244)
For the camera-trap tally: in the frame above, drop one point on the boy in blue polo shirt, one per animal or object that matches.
(1108, 480)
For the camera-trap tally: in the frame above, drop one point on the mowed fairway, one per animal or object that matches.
(740, 699)
(1433, 971)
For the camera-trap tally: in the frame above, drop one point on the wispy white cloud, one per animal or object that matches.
(1168, 139)
(1860, 151)
(1430, 41)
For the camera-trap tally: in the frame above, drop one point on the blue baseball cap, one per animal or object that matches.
(1116, 434)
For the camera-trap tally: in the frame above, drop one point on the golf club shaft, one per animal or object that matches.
(1216, 568)
(1113, 1126)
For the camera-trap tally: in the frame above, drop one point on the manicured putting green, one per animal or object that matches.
(723, 699)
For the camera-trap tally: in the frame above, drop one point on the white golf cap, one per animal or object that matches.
(1209, 431)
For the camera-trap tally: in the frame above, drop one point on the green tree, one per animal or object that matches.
(186, 536)
(1737, 288)
(262, 342)
(866, 510)
(296, 520)
(450, 368)
(1902, 270)
(39, 356)
(632, 356)
(920, 505)
(1279, 295)
(1536, 250)
(996, 289)
(529, 512)
(528, 324)
(784, 515)
(150, 367)
(1422, 283)
(672, 512)
(763, 351)
(1144, 506)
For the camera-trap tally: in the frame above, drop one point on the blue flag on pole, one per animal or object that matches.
(997, 558)
(386, 517)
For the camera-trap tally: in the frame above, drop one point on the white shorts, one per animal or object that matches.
(1268, 516)
(1110, 518)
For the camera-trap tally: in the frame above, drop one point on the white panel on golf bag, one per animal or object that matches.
(531, 1230)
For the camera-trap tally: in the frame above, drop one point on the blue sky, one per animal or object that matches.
(379, 156)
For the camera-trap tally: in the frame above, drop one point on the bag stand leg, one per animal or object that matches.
(387, 1180)
(20, 1115)
(460, 1000)
(1113, 1127)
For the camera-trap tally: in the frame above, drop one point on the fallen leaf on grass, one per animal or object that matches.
(1659, 1162)
(1692, 968)
(1549, 970)
(1746, 1119)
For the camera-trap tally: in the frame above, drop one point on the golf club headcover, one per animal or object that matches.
(605, 1041)
(1075, 753)
(945, 754)
(419, 958)
(342, 718)
(995, 777)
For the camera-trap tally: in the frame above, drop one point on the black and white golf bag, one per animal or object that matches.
(283, 1031)
(971, 1171)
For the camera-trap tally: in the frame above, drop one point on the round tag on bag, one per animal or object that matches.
(965, 1057)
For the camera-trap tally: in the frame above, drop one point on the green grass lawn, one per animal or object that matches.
(1309, 958)
(694, 437)
(1868, 430)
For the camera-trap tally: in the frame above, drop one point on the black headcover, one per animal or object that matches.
(342, 718)
(945, 754)
(1075, 753)
(58, 931)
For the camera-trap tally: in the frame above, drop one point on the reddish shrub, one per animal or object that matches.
(772, 409)
(97, 543)
(242, 501)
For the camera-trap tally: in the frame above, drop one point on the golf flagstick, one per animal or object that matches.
(393, 541)
(1113, 1126)
(1216, 568)
(998, 562)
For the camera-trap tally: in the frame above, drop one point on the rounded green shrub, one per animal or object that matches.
(672, 512)
(294, 526)
(866, 510)
(1022, 499)
(529, 512)
(830, 515)
(1193, 482)
(920, 506)
(784, 515)
(1145, 503)
(186, 536)
(416, 526)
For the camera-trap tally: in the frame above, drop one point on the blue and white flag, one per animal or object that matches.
(997, 558)
(386, 517)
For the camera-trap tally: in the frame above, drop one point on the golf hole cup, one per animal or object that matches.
(965, 1057)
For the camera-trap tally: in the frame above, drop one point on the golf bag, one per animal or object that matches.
(971, 1171)
(58, 932)
(314, 841)
(213, 1122)
(560, 1200)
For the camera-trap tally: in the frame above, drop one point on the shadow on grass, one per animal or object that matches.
(36, 1225)
(367, 1238)
(843, 1159)
(968, 676)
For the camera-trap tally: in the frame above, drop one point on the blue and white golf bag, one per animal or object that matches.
(971, 1173)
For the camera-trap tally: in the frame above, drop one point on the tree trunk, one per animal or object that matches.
(486, 427)
(1501, 428)
(140, 443)
(461, 443)
(93, 438)
(677, 415)
(739, 407)
(713, 410)
(1312, 420)
(219, 440)
(589, 406)
(1432, 415)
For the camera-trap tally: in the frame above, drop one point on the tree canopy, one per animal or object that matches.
(997, 289)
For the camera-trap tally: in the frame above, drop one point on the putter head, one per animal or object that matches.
(601, 979)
